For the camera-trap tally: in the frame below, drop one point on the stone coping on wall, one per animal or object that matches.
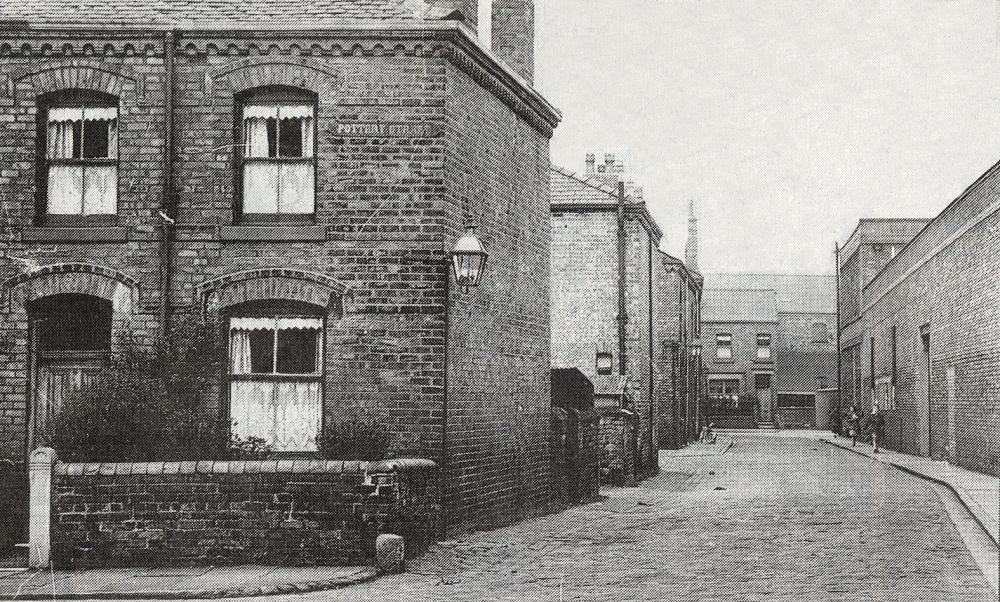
(289, 466)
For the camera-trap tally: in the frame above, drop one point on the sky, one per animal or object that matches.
(784, 120)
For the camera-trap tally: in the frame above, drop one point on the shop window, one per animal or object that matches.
(276, 379)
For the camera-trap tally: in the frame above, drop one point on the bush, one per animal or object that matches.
(152, 403)
(358, 439)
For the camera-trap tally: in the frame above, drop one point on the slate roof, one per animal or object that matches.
(794, 293)
(209, 14)
(738, 305)
(569, 187)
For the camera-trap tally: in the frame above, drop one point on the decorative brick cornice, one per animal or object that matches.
(450, 40)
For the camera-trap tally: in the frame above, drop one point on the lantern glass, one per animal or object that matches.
(468, 259)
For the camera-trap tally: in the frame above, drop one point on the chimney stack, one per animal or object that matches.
(466, 11)
(691, 250)
(514, 35)
(590, 163)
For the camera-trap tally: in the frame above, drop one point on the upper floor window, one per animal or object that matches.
(278, 132)
(81, 155)
(820, 332)
(764, 346)
(724, 346)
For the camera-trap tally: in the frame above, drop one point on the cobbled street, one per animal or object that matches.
(770, 519)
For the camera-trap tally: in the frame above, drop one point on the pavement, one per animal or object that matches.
(753, 517)
(176, 583)
(978, 492)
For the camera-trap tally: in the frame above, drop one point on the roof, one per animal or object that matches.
(738, 305)
(794, 293)
(884, 230)
(568, 187)
(573, 192)
(212, 14)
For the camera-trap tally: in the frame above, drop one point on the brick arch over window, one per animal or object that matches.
(272, 284)
(259, 72)
(79, 278)
(77, 74)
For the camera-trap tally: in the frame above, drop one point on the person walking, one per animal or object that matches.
(854, 425)
(876, 424)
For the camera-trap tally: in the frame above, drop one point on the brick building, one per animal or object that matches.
(868, 249)
(918, 299)
(622, 310)
(738, 328)
(678, 374)
(296, 173)
(800, 351)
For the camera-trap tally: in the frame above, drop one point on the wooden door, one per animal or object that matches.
(56, 380)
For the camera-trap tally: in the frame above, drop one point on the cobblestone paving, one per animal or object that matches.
(771, 519)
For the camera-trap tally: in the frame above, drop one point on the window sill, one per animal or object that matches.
(81, 234)
(273, 233)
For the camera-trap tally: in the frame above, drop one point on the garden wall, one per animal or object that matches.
(271, 512)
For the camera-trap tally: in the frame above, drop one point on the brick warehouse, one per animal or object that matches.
(917, 301)
(791, 358)
(303, 182)
(617, 310)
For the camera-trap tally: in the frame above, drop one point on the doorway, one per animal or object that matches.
(924, 393)
(71, 338)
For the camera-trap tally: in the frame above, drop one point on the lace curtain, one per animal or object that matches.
(76, 189)
(278, 187)
(285, 413)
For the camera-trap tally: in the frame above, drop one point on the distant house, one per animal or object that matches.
(792, 354)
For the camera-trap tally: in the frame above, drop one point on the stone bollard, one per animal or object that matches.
(389, 553)
(40, 506)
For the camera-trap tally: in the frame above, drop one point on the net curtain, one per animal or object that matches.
(80, 189)
(286, 414)
(286, 187)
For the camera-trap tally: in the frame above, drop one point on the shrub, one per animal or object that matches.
(357, 439)
(151, 402)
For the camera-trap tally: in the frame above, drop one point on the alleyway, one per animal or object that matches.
(796, 520)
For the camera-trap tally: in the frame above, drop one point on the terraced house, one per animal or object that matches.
(296, 172)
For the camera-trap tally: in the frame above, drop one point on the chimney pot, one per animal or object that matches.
(590, 162)
(609, 159)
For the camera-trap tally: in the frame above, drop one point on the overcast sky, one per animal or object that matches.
(785, 120)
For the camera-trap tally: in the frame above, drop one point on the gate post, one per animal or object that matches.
(40, 465)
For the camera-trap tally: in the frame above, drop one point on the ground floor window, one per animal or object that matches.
(796, 400)
(275, 390)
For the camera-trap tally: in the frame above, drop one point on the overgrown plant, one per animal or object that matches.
(356, 439)
(151, 402)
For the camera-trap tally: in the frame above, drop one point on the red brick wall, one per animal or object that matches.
(473, 145)
(953, 293)
(248, 512)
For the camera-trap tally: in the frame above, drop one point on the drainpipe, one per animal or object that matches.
(840, 391)
(168, 211)
(622, 313)
(443, 473)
